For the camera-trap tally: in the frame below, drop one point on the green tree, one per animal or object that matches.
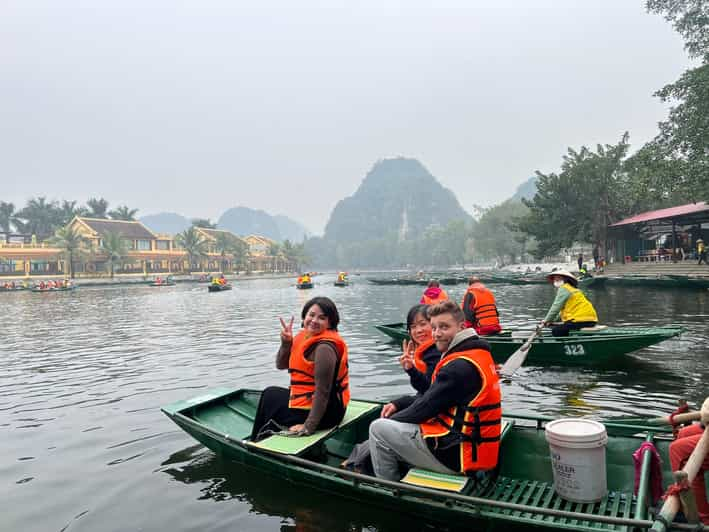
(275, 251)
(495, 236)
(72, 243)
(227, 244)
(204, 223)
(122, 212)
(98, 208)
(579, 203)
(194, 245)
(67, 210)
(39, 217)
(114, 248)
(295, 254)
(7, 218)
(677, 159)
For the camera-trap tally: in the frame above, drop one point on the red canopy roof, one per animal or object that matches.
(660, 214)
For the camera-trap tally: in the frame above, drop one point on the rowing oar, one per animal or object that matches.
(516, 359)
(691, 468)
(679, 419)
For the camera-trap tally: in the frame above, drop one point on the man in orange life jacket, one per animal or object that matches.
(433, 294)
(480, 308)
(454, 427)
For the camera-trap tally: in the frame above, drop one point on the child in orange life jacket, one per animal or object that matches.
(430, 433)
(316, 359)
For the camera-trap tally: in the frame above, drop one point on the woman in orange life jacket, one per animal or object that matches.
(480, 308)
(433, 294)
(316, 359)
(419, 359)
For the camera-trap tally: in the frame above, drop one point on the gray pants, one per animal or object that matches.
(391, 442)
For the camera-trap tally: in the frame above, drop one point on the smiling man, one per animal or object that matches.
(455, 426)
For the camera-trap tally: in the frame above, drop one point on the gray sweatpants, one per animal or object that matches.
(391, 442)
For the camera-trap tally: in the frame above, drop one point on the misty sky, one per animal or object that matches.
(197, 106)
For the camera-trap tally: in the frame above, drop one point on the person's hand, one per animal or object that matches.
(546, 324)
(297, 429)
(388, 410)
(286, 331)
(407, 358)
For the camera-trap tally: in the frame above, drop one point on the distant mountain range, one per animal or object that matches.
(398, 194)
(242, 221)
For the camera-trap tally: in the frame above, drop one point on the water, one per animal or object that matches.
(84, 446)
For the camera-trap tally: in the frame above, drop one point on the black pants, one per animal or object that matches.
(564, 328)
(273, 407)
(702, 257)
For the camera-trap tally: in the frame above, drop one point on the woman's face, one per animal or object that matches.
(420, 329)
(316, 321)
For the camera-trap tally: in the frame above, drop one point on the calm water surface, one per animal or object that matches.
(84, 446)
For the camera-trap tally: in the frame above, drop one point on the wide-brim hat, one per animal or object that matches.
(700, 240)
(566, 274)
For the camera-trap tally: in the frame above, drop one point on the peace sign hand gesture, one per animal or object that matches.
(407, 359)
(286, 331)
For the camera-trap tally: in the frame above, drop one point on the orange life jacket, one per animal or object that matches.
(484, 307)
(418, 355)
(478, 421)
(443, 296)
(302, 370)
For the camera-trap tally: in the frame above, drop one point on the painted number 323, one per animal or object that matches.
(574, 350)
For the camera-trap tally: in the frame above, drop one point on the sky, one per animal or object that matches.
(198, 106)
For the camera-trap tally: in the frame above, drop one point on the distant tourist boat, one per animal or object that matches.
(304, 286)
(219, 287)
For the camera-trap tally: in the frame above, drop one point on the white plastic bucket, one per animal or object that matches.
(578, 458)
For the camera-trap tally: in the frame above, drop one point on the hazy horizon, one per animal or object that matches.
(199, 107)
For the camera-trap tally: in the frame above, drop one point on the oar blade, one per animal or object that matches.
(516, 359)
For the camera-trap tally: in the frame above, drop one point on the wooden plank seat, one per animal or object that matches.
(301, 444)
(595, 328)
(455, 483)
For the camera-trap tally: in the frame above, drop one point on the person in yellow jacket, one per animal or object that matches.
(570, 305)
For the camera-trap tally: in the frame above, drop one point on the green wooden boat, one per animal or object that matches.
(164, 283)
(36, 289)
(596, 345)
(341, 283)
(304, 286)
(691, 281)
(218, 287)
(522, 495)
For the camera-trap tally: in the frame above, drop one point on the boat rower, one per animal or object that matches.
(570, 304)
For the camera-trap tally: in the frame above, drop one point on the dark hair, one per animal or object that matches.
(446, 307)
(433, 283)
(328, 308)
(415, 311)
(473, 279)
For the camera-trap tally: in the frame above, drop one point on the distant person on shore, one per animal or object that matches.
(316, 359)
(701, 252)
(596, 257)
(480, 308)
(575, 311)
(433, 294)
(580, 260)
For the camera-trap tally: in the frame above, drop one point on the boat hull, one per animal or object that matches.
(222, 419)
(304, 286)
(219, 288)
(579, 348)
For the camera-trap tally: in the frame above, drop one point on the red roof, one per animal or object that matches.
(660, 214)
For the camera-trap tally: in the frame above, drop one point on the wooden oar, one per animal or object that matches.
(679, 419)
(516, 359)
(691, 468)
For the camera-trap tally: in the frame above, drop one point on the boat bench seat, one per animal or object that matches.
(595, 328)
(442, 481)
(297, 445)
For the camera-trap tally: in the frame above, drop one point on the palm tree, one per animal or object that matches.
(67, 210)
(274, 250)
(123, 213)
(295, 254)
(39, 217)
(224, 244)
(72, 243)
(97, 208)
(115, 249)
(7, 216)
(204, 223)
(194, 244)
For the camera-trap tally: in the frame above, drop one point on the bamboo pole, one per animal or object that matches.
(691, 468)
